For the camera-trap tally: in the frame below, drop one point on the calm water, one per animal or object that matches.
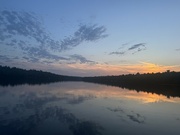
(78, 108)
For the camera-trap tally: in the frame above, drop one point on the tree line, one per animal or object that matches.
(166, 83)
(16, 76)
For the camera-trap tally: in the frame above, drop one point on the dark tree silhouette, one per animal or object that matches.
(15, 76)
(167, 83)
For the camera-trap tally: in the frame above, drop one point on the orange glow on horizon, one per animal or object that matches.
(105, 69)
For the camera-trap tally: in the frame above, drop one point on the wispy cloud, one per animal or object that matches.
(125, 44)
(5, 58)
(84, 33)
(29, 25)
(117, 53)
(136, 46)
(80, 58)
(25, 32)
(22, 24)
(129, 48)
(33, 52)
(178, 49)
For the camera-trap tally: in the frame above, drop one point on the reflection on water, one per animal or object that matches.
(78, 108)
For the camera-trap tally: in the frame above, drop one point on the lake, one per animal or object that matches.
(79, 108)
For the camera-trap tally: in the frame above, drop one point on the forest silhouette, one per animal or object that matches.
(166, 83)
(16, 76)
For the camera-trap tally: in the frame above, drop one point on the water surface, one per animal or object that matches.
(79, 108)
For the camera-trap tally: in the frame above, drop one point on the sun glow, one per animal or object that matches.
(87, 69)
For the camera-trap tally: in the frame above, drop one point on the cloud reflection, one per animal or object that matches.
(33, 109)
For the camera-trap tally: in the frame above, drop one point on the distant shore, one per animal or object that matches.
(166, 83)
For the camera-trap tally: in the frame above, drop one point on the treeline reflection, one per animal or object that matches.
(167, 83)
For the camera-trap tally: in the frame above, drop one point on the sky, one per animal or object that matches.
(90, 37)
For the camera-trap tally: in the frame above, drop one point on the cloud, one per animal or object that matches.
(91, 32)
(5, 58)
(178, 49)
(117, 53)
(124, 45)
(136, 46)
(18, 28)
(80, 58)
(84, 33)
(25, 32)
(22, 24)
(42, 53)
(139, 49)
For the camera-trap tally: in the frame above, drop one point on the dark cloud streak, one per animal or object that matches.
(136, 46)
(117, 53)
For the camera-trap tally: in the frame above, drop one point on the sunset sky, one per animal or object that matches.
(90, 37)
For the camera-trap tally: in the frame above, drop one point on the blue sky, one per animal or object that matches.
(91, 37)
